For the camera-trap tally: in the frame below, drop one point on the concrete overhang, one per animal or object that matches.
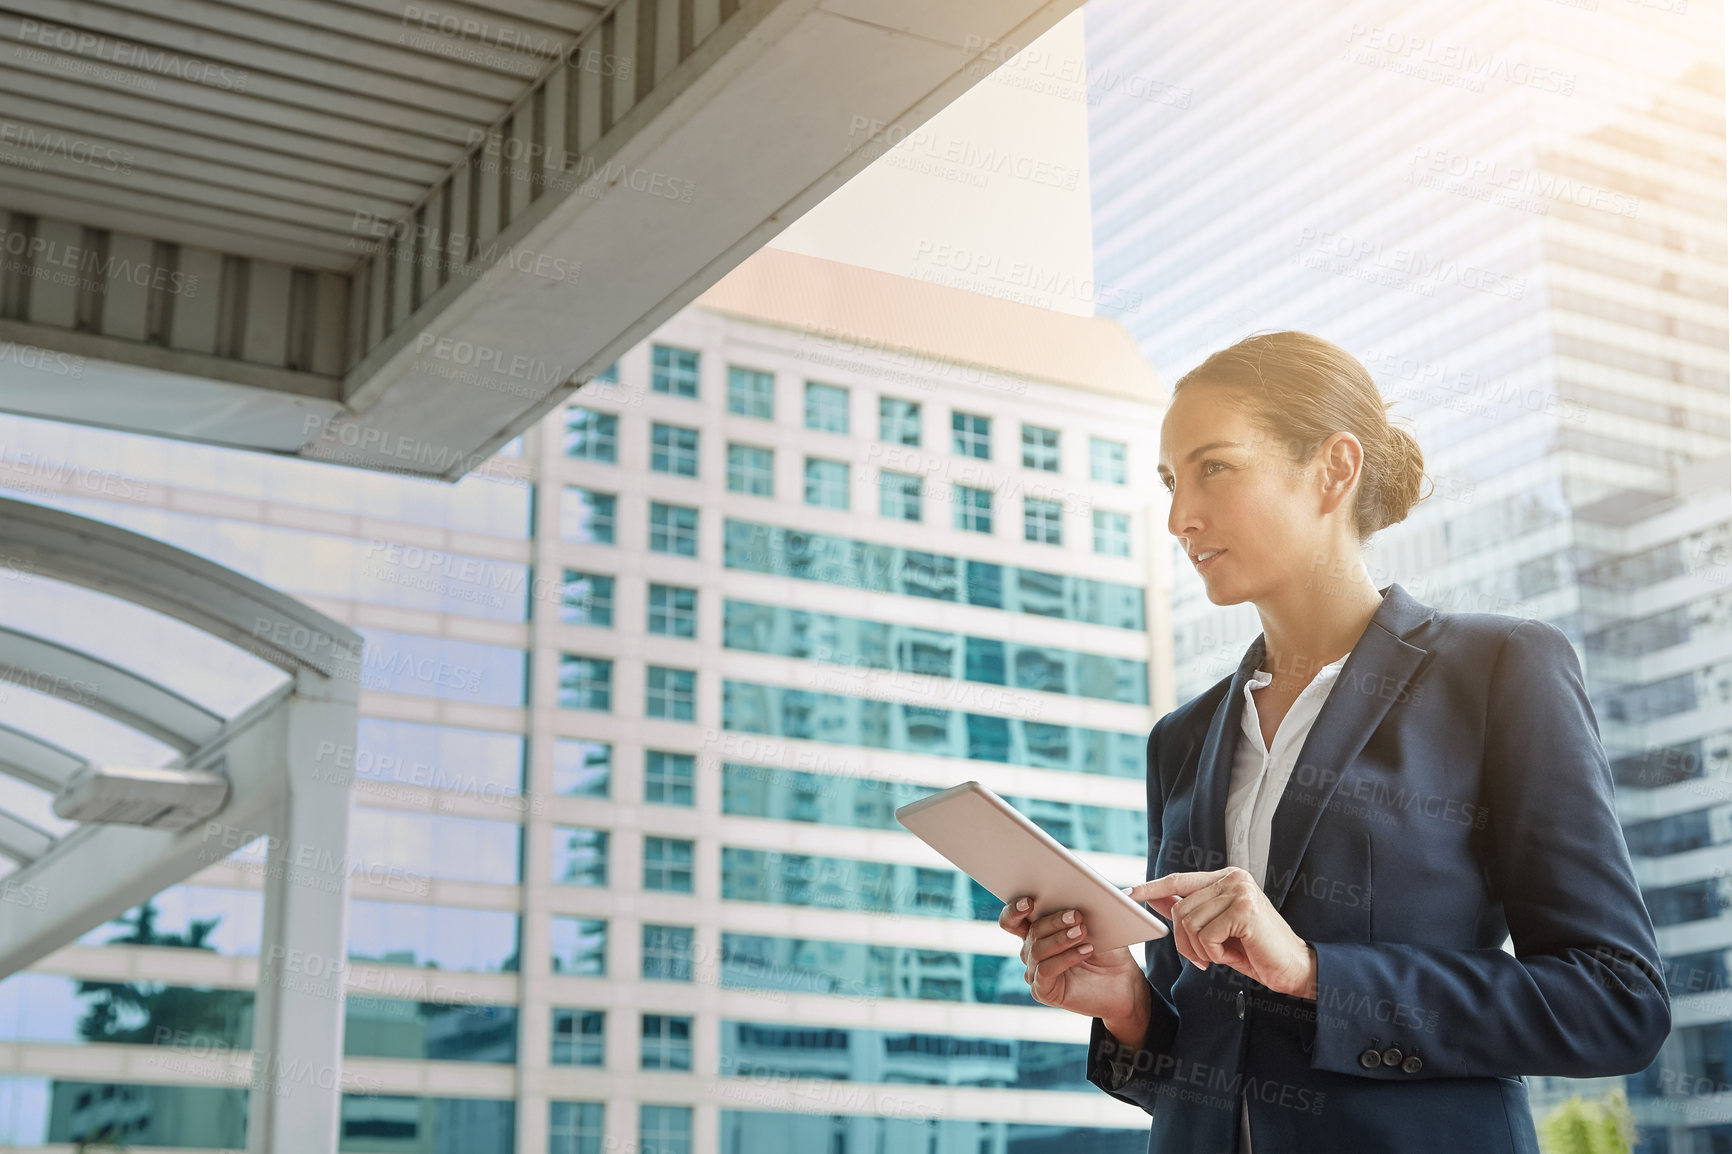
(394, 234)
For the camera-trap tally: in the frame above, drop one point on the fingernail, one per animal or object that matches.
(1069, 917)
(1022, 903)
(1085, 948)
(1075, 932)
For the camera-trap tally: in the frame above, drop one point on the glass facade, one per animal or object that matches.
(871, 803)
(876, 724)
(879, 645)
(858, 1055)
(744, 1131)
(888, 569)
(863, 973)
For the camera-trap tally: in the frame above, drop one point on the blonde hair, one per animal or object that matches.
(1300, 390)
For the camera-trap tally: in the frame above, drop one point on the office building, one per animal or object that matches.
(639, 699)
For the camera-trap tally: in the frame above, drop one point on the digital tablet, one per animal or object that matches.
(987, 839)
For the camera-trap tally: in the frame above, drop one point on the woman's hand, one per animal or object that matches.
(1224, 916)
(1063, 969)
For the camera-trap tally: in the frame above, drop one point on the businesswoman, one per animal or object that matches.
(1343, 832)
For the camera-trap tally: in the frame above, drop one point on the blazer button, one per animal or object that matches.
(1392, 1057)
(1412, 1064)
(1370, 1058)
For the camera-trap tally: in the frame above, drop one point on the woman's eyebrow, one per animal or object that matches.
(1201, 449)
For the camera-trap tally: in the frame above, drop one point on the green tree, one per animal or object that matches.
(1580, 1126)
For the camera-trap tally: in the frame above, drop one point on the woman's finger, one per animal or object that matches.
(1212, 922)
(1183, 939)
(1044, 975)
(1012, 918)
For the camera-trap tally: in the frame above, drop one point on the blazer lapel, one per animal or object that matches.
(1380, 669)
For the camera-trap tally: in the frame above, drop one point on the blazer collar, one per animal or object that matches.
(1379, 671)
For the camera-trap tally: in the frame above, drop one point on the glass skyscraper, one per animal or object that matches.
(1515, 215)
(639, 700)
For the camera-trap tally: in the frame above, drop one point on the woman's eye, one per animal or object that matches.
(1206, 465)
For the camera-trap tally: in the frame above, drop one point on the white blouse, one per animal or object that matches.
(1260, 777)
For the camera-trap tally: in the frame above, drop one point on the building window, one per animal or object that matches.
(1039, 448)
(579, 856)
(667, 953)
(667, 1044)
(579, 946)
(664, 1130)
(1112, 533)
(609, 374)
(898, 421)
(674, 449)
(586, 599)
(750, 471)
(591, 436)
(973, 509)
(579, 1038)
(751, 393)
(671, 693)
(826, 483)
(581, 768)
(668, 777)
(1041, 521)
(673, 529)
(826, 408)
(673, 610)
(574, 1127)
(585, 515)
(971, 436)
(674, 371)
(1106, 461)
(899, 495)
(585, 682)
(667, 865)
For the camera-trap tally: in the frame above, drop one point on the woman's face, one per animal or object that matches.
(1237, 491)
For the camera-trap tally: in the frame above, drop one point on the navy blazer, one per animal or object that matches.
(1452, 790)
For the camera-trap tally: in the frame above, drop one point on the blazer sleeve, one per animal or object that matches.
(1584, 994)
(1128, 1073)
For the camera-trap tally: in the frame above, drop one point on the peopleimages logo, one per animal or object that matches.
(79, 42)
